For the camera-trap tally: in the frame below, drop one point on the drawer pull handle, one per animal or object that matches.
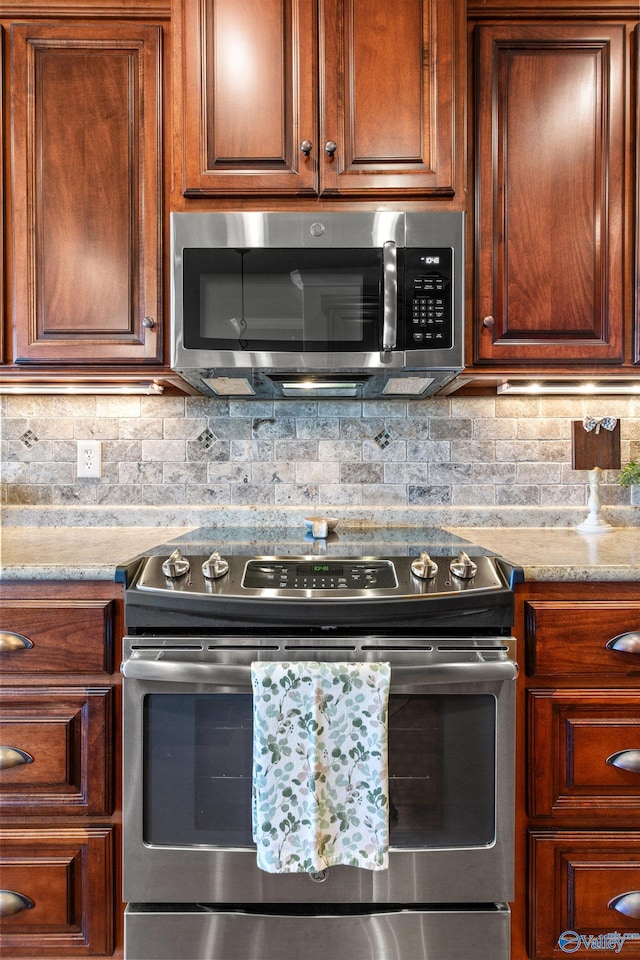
(627, 903)
(10, 641)
(12, 902)
(625, 642)
(13, 757)
(625, 760)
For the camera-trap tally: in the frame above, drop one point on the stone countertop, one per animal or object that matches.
(75, 553)
(563, 554)
(93, 553)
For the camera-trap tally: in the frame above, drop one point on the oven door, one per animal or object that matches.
(187, 783)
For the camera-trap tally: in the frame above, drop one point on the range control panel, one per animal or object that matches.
(429, 308)
(320, 575)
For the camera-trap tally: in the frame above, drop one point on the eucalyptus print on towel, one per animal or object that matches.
(320, 773)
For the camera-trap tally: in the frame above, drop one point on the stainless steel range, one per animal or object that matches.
(195, 624)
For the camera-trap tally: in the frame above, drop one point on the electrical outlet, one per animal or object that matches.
(89, 462)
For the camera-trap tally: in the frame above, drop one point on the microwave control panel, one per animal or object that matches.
(429, 299)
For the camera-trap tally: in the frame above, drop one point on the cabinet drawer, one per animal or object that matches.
(57, 892)
(56, 636)
(574, 877)
(571, 638)
(56, 751)
(584, 750)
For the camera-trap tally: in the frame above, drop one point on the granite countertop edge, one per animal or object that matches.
(93, 553)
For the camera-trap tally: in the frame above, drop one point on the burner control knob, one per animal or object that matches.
(175, 566)
(424, 567)
(463, 567)
(215, 567)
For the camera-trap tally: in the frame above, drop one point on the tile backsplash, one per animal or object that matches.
(186, 451)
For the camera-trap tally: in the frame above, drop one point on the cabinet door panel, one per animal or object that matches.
(67, 731)
(636, 285)
(249, 96)
(56, 636)
(67, 878)
(3, 329)
(570, 638)
(573, 878)
(550, 141)
(85, 193)
(388, 84)
(572, 734)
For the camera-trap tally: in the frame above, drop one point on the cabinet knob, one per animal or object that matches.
(12, 902)
(10, 641)
(625, 760)
(148, 323)
(488, 321)
(306, 146)
(625, 642)
(330, 147)
(13, 757)
(627, 903)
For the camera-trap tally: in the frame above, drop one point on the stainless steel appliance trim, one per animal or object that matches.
(147, 666)
(151, 579)
(390, 301)
(230, 875)
(191, 933)
(279, 229)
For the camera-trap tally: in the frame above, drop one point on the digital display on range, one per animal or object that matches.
(313, 569)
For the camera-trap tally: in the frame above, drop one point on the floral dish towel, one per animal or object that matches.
(320, 774)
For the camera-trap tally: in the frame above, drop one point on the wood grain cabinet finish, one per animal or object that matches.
(578, 639)
(576, 878)
(636, 235)
(585, 754)
(60, 759)
(352, 98)
(551, 154)
(85, 193)
(56, 755)
(578, 780)
(63, 882)
(56, 636)
(3, 284)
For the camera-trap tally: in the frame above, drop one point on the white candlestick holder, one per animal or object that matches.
(594, 522)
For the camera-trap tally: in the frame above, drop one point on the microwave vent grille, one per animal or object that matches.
(408, 386)
(230, 386)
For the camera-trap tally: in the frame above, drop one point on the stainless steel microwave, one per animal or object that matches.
(317, 304)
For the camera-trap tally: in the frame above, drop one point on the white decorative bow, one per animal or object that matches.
(593, 423)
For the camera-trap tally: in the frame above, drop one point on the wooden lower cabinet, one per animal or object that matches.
(578, 780)
(63, 735)
(581, 884)
(57, 892)
(60, 809)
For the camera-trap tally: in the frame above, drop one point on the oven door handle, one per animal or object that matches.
(239, 675)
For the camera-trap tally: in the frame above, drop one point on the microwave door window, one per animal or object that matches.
(280, 300)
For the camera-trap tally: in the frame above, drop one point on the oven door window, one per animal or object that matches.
(282, 300)
(198, 758)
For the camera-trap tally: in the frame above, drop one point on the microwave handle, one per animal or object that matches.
(390, 299)
(239, 675)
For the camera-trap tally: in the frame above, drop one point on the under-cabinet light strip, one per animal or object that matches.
(551, 388)
(82, 389)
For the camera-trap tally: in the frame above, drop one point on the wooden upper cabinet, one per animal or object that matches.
(342, 97)
(388, 91)
(636, 238)
(2, 276)
(550, 180)
(248, 95)
(85, 193)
